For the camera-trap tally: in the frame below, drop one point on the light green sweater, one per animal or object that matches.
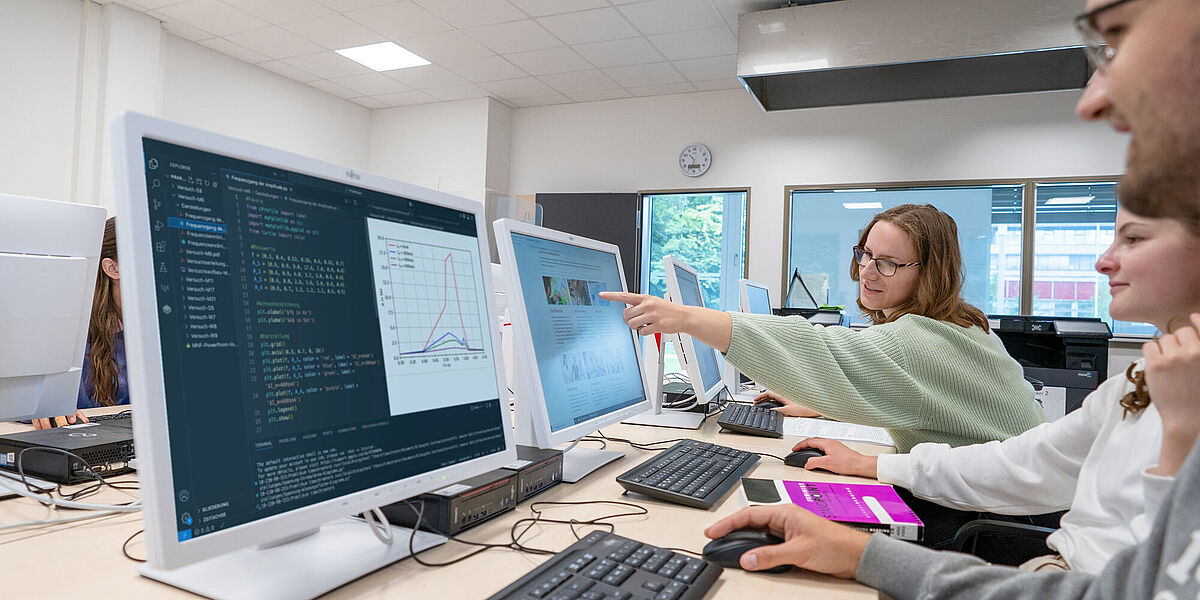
(921, 379)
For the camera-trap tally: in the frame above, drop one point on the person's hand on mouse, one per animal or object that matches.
(810, 542)
(839, 458)
(78, 417)
(789, 408)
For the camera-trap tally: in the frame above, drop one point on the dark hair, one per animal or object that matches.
(1139, 397)
(938, 294)
(102, 380)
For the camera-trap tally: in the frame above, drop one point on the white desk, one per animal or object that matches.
(84, 560)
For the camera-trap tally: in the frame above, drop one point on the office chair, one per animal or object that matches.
(1020, 542)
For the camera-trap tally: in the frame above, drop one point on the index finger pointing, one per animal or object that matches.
(625, 297)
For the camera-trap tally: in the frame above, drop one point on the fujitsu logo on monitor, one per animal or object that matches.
(352, 175)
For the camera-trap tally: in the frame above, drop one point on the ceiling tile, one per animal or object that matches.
(332, 88)
(551, 60)
(327, 65)
(580, 81)
(371, 84)
(667, 16)
(345, 5)
(642, 75)
(731, 9)
(589, 26)
(275, 42)
(400, 20)
(288, 71)
(662, 90)
(457, 92)
(525, 87)
(485, 68)
(428, 76)
(182, 30)
(541, 8)
(227, 47)
(442, 47)
(705, 69)
(600, 95)
(368, 102)
(212, 16)
(334, 31)
(406, 98)
(282, 11)
(518, 36)
(540, 101)
(620, 53)
(150, 4)
(473, 13)
(695, 44)
(729, 83)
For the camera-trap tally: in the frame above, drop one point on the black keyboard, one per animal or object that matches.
(754, 420)
(606, 566)
(690, 473)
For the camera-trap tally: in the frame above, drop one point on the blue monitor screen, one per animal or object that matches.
(706, 359)
(759, 300)
(586, 359)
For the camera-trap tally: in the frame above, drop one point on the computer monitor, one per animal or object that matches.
(753, 298)
(304, 342)
(698, 359)
(49, 252)
(578, 363)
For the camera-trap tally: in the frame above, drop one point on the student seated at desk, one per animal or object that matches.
(1092, 461)
(928, 370)
(104, 381)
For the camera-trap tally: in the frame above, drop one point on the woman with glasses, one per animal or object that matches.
(928, 370)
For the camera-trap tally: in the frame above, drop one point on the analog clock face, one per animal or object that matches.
(694, 160)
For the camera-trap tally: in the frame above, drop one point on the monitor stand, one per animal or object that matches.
(336, 554)
(673, 419)
(579, 462)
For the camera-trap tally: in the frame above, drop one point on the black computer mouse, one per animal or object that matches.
(727, 550)
(800, 457)
(769, 404)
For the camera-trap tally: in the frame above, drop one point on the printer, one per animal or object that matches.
(1067, 356)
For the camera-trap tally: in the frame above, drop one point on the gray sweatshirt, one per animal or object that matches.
(1165, 566)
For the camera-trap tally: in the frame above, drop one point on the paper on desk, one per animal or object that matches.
(849, 432)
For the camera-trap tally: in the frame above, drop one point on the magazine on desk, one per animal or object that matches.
(867, 507)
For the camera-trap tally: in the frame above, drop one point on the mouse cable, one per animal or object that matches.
(636, 445)
(125, 547)
(779, 458)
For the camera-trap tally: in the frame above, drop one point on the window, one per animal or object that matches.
(1074, 225)
(826, 224)
(707, 230)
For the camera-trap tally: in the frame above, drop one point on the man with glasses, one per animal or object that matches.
(1147, 83)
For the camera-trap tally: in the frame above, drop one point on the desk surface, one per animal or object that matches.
(52, 557)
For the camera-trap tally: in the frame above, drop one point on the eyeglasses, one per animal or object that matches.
(1098, 50)
(885, 267)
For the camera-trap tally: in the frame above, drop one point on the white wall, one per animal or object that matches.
(39, 56)
(206, 89)
(440, 146)
(634, 144)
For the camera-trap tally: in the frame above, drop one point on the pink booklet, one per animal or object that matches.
(863, 506)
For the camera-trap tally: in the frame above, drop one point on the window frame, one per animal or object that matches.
(1028, 221)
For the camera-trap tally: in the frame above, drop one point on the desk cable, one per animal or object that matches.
(49, 500)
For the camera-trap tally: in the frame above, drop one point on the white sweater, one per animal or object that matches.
(1091, 461)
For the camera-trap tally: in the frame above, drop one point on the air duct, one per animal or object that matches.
(863, 51)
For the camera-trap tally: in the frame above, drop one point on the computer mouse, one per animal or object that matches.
(769, 404)
(800, 457)
(727, 550)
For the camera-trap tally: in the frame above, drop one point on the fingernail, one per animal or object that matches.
(750, 560)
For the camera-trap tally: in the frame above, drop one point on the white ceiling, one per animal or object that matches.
(521, 52)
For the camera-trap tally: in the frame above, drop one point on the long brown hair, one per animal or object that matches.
(938, 294)
(106, 322)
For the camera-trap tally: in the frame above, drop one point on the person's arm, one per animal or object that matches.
(650, 314)
(1173, 380)
(789, 408)
(809, 542)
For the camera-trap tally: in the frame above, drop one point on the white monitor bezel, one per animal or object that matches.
(683, 340)
(744, 294)
(530, 384)
(146, 383)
